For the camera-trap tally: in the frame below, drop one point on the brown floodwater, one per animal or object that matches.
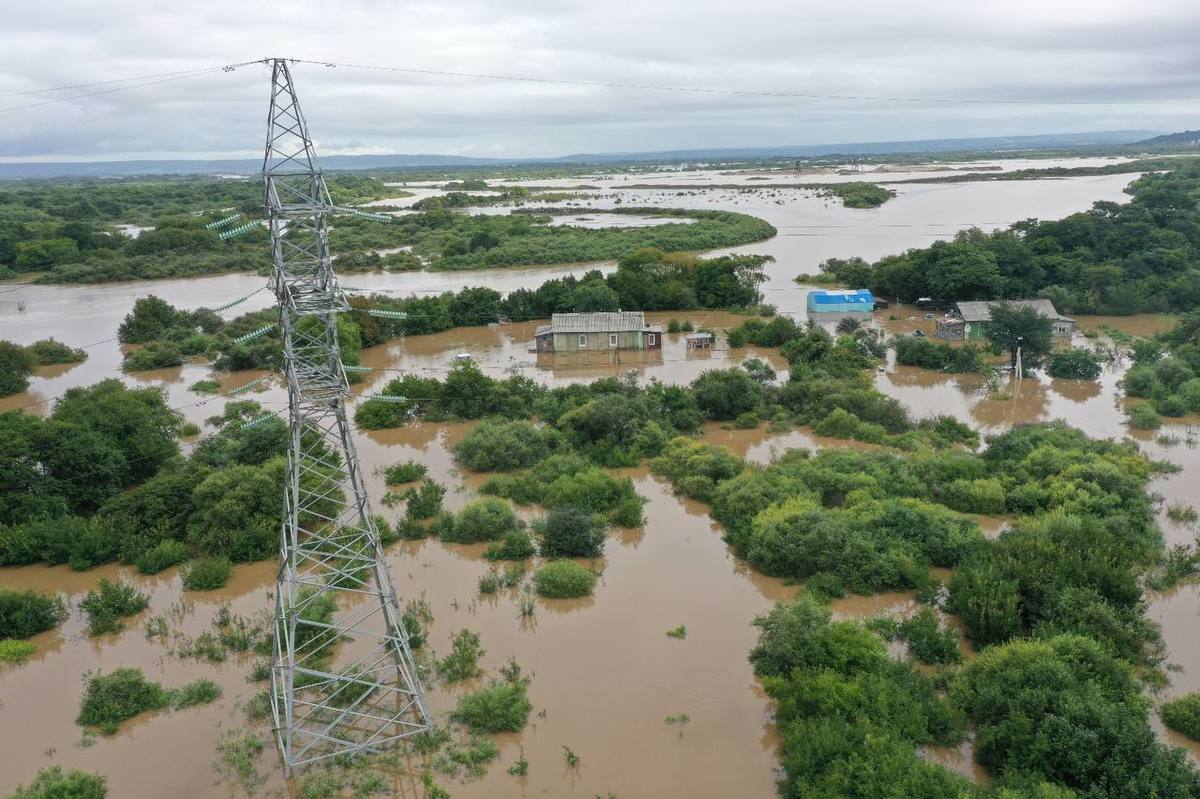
(604, 672)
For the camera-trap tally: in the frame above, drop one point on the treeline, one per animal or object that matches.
(624, 423)
(102, 479)
(1166, 369)
(646, 279)
(1116, 258)
(17, 363)
(449, 240)
(68, 229)
(1053, 699)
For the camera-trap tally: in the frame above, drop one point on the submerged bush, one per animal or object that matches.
(207, 574)
(27, 613)
(406, 472)
(53, 783)
(109, 603)
(463, 661)
(109, 699)
(927, 641)
(1143, 417)
(163, 555)
(1183, 715)
(484, 519)
(1075, 363)
(506, 445)
(571, 532)
(500, 707)
(516, 545)
(563, 579)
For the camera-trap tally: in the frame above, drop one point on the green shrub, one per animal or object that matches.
(673, 326)
(506, 445)
(463, 661)
(563, 579)
(200, 692)
(983, 495)
(109, 699)
(424, 501)
(109, 603)
(207, 574)
(155, 355)
(206, 387)
(1183, 715)
(49, 352)
(726, 393)
(1075, 363)
(16, 365)
(484, 519)
(163, 555)
(406, 472)
(27, 613)
(500, 707)
(1143, 417)
(571, 532)
(927, 641)
(52, 783)
(13, 651)
(516, 545)
(1171, 405)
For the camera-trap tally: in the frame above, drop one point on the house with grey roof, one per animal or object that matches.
(969, 320)
(598, 331)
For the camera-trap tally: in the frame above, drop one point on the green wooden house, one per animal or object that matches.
(598, 331)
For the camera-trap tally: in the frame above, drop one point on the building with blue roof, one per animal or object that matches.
(845, 301)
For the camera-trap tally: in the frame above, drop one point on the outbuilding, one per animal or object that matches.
(843, 301)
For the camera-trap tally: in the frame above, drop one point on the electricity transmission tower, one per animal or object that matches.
(333, 594)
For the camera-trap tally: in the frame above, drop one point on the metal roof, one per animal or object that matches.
(980, 312)
(598, 322)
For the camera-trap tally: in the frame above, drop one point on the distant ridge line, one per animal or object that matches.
(240, 166)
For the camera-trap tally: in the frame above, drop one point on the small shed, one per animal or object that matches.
(597, 331)
(699, 341)
(844, 301)
(970, 319)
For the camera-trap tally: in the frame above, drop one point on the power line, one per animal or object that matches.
(718, 91)
(164, 78)
(68, 87)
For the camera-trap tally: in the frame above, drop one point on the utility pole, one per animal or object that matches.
(342, 682)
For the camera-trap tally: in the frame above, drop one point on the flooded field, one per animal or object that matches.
(605, 674)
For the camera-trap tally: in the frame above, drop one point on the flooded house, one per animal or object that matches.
(598, 331)
(969, 320)
(845, 301)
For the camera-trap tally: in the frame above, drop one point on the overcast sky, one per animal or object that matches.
(1117, 52)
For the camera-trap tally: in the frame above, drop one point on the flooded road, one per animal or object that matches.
(604, 671)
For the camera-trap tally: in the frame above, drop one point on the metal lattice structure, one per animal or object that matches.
(334, 597)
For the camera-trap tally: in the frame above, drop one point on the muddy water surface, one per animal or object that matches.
(604, 672)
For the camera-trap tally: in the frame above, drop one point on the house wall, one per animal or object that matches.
(596, 342)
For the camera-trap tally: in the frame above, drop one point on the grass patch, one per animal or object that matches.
(110, 699)
(679, 632)
(12, 651)
(237, 760)
(206, 387)
(163, 555)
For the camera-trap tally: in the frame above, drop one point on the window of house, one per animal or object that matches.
(583, 342)
(612, 339)
(652, 339)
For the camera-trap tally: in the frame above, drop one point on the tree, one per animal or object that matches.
(726, 393)
(16, 365)
(571, 532)
(1021, 327)
(149, 320)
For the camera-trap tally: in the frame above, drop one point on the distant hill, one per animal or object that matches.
(1184, 138)
(246, 166)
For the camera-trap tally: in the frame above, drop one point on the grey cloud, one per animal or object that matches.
(1037, 50)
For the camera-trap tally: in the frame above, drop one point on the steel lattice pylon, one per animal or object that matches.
(330, 556)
